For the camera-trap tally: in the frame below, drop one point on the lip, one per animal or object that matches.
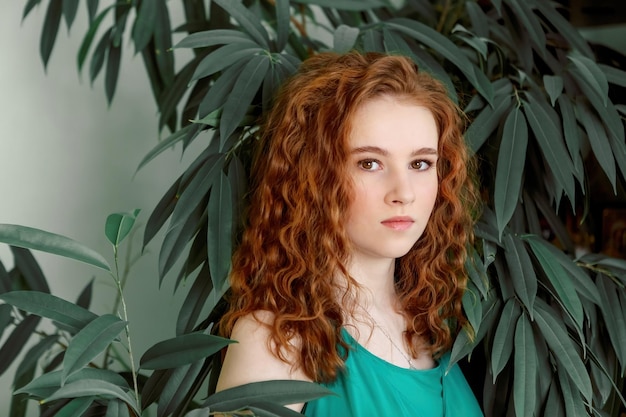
(398, 223)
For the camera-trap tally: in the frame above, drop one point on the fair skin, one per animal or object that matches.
(392, 164)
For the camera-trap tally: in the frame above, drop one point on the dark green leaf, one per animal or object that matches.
(16, 341)
(161, 213)
(153, 387)
(35, 239)
(76, 407)
(486, 123)
(50, 29)
(163, 42)
(571, 132)
(550, 139)
(511, 160)
(29, 362)
(117, 408)
(49, 306)
(613, 314)
(599, 142)
(114, 58)
(70, 7)
(592, 74)
(219, 91)
(554, 86)
(177, 387)
(280, 392)
(525, 368)
(554, 403)
(562, 347)
(282, 24)
(564, 27)
(242, 95)
(29, 7)
(574, 405)
(99, 55)
(5, 317)
(45, 385)
(5, 280)
(502, 346)
(529, 23)
(176, 239)
(224, 57)
(194, 302)
(559, 279)
(182, 350)
(90, 342)
(267, 409)
(180, 135)
(25, 262)
(472, 307)
(521, 270)
(613, 75)
(220, 230)
(84, 298)
(345, 4)
(145, 21)
(249, 21)
(119, 225)
(92, 8)
(214, 37)
(344, 38)
(92, 387)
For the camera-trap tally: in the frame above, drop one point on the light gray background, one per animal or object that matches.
(67, 161)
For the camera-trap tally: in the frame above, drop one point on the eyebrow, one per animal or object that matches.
(384, 152)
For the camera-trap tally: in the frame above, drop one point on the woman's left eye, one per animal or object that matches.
(421, 165)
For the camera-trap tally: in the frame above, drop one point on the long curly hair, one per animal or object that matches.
(295, 242)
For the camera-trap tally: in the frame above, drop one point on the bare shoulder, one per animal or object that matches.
(251, 359)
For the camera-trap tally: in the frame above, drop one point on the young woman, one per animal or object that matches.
(350, 272)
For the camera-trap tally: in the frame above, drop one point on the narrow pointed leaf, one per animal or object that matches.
(574, 405)
(521, 270)
(571, 133)
(511, 159)
(117, 408)
(214, 37)
(30, 359)
(554, 86)
(76, 407)
(220, 230)
(143, 27)
(502, 346)
(46, 384)
(486, 123)
(249, 21)
(181, 134)
(119, 225)
(559, 280)
(50, 29)
(28, 266)
(529, 23)
(182, 350)
(114, 58)
(29, 7)
(267, 409)
(49, 306)
(99, 55)
(282, 24)
(525, 368)
(90, 342)
(194, 302)
(177, 387)
(564, 27)
(344, 38)
(92, 387)
(550, 139)
(554, 403)
(613, 75)
(16, 341)
(613, 314)
(70, 7)
(280, 392)
(224, 57)
(592, 74)
(563, 349)
(84, 298)
(36, 239)
(242, 95)
(345, 4)
(161, 212)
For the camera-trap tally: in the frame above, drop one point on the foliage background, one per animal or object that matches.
(96, 225)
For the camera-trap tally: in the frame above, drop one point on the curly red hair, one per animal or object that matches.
(295, 243)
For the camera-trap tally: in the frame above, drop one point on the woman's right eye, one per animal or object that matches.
(369, 165)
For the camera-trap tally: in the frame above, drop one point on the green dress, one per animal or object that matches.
(373, 387)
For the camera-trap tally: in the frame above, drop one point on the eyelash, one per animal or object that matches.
(413, 163)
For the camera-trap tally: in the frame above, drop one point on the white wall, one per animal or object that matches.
(67, 161)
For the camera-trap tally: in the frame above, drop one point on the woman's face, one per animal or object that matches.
(392, 161)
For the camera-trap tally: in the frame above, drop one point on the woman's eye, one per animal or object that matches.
(369, 165)
(421, 165)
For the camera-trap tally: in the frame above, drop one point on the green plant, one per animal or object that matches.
(545, 118)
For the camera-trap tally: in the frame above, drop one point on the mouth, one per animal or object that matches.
(398, 223)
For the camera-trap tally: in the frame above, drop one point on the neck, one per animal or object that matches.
(376, 281)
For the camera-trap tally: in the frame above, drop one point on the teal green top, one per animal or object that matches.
(371, 386)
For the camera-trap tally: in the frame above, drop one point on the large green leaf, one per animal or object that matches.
(243, 93)
(117, 408)
(599, 142)
(177, 387)
(571, 133)
(46, 384)
(486, 122)
(182, 350)
(510, 168)
(530, 24)
(90, 342)
(163, 42)
(502, 345)
(554, 403)
(554, 86)
(50, 306)
(193, 305)
(592, 74)
(16, 341)
(224, 57)
(525, 368)
(521, 269)
(280, 392)
(92, 387)
(574, 405)
(119, 225)
(50, 29)
(562, 347)
(614, 317)
(36, 239)
(76, 407)
(214, 37)
(220, 230)
(541, 119)
(559, 279)
(143, 28)
(249, 22)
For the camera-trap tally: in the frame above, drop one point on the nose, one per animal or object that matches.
(401, 188)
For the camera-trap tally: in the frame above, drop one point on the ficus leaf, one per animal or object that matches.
(525, 368)
(521, 270)
(119, 225)
(220, 230)
(554, 86)
(502, 346)
(182, 350)
(36, 239)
